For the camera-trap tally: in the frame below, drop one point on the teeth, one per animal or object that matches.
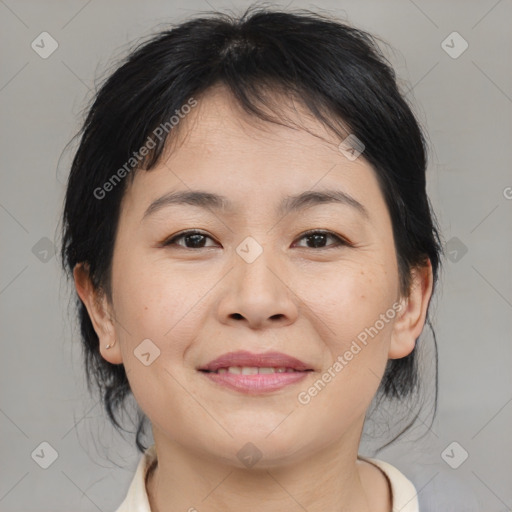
(248, 370)
(253, 370)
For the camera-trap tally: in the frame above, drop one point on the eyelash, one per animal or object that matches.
(340, 241)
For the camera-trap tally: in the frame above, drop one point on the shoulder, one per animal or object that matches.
(137, 498)
(404, 496)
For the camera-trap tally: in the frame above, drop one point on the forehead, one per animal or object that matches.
(221, 148)
(219, 121)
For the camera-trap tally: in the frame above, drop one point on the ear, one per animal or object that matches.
(413, 313)
(99, 312)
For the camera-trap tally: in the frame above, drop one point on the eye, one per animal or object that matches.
(317, 239)
(193, 239)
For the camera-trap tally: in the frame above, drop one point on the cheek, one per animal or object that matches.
(165, 308)
(153, 304)
(154, 298)
(349, 301)
(354, 312)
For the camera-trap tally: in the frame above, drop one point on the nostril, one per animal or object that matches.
(237, 316)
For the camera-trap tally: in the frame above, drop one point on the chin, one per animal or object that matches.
(264, 451)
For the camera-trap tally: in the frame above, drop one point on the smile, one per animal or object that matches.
(251, 373)
(254, 370)
(258, 380)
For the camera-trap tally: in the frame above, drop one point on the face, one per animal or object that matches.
(260, 273)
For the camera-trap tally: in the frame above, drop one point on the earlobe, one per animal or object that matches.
(99, 312)
(412, 316)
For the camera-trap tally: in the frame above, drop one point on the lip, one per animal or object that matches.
(257, 383)
(264, 360)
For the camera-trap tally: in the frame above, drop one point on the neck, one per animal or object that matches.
(331, 479)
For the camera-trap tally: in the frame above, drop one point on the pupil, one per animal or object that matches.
(196, 239)
(317, 239)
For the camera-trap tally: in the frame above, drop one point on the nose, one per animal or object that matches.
(258, 294)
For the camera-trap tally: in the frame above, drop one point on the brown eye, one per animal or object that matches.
(191, 240)
(317, 239)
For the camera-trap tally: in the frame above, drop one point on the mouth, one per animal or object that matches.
(254, 370)
(255, 373)
(249, 363)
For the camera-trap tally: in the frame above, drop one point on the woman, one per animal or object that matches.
(254, 254)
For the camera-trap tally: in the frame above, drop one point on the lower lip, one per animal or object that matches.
(256, 384)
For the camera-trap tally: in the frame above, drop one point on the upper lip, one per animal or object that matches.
(265, 360)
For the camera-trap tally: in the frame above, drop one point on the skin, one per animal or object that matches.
(197, 303)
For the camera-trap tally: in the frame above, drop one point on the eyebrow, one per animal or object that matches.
(210, 201)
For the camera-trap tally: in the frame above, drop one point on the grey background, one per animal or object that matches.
(465, 104)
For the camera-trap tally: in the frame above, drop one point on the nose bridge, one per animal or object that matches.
(256, 292)
(252, 270)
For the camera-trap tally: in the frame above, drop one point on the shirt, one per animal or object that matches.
(404, 495)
